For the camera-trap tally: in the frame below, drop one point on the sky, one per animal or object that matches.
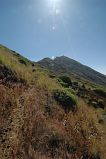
(51, 28)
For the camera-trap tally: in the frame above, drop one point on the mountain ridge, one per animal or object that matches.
(67, 65)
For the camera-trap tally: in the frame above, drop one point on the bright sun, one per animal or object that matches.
(55, 3)
(55, 11)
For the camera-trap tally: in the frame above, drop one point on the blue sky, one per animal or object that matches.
(50, 28)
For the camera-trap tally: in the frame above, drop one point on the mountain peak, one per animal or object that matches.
(67, 65)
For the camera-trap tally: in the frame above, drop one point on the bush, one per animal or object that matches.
(65, 80)
(52, 76)
(71, 90)
(100, 92)
(14, 52)
(94, 103)
(66, 99)
(62, 83)
(101, 104)
(54, 142)
(75, 83)
(83, 86)
(97, 103)
(22, 61)
(8, 74)
(33, 64)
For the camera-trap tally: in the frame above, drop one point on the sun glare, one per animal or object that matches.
(54, 7)
(54, 4)
(55, 1)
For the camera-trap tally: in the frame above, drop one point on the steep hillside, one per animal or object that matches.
(69, 66)
(45, 116)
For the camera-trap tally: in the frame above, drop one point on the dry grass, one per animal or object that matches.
(34, 126)
(34, 133)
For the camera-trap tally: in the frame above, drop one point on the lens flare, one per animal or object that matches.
(54, 4)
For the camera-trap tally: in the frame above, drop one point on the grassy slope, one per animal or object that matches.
(12, 61)
(33, 125)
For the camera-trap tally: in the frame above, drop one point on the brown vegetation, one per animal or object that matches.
(34, 125)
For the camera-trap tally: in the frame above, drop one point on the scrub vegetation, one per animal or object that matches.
(48, 116)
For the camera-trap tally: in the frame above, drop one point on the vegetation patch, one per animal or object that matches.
(22, 61)
(66, 99)
(7, 74)
(100, 92)
(34, 113)
(65, 81)
(97, 103)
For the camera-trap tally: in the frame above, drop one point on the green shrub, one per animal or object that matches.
(71, 90)
(52, 76)
(75, 83)
(94, 103)
(83, 86)
(14, 52)
(65, 99)
(62, 83)
(97, 103)
(22, 61)
(65, 80)
(101, 103)
(104, 113)
(100, 92)
(33, 64)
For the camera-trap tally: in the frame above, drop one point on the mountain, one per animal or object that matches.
(49, 116)
(69, 66)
